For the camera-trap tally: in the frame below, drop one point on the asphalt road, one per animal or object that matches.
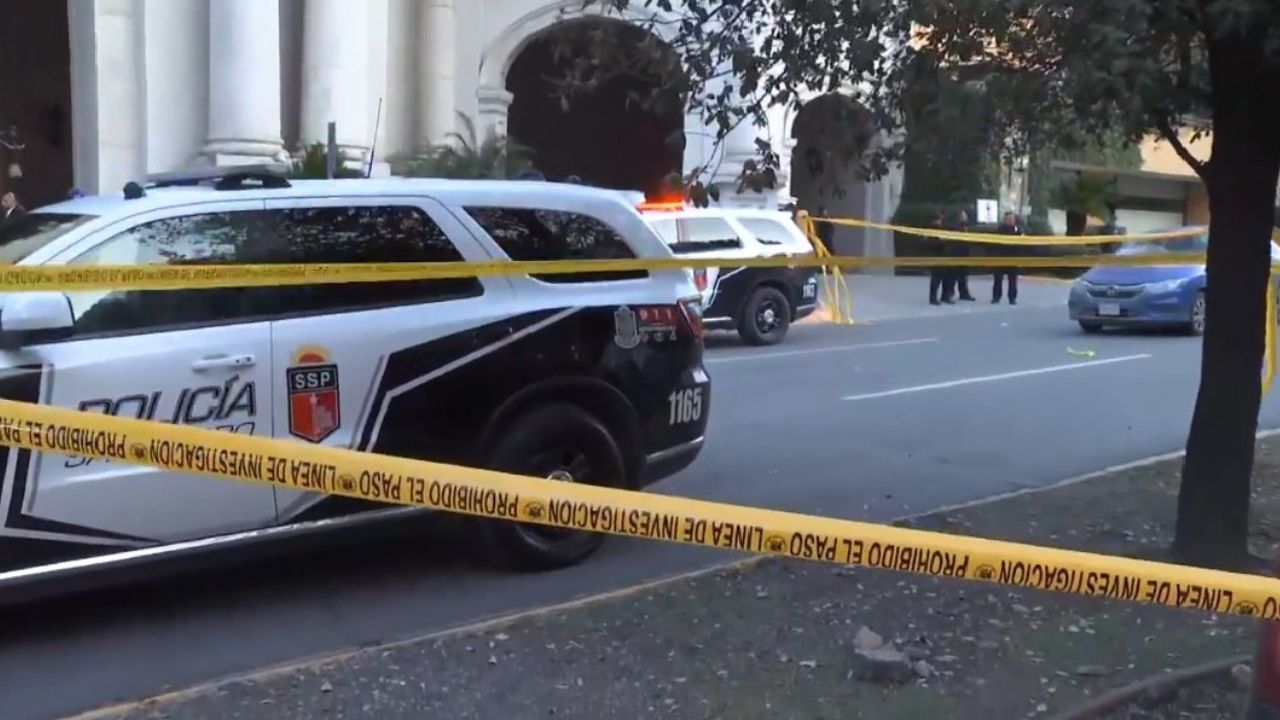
(868, 422)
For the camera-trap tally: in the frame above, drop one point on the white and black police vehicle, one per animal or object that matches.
(589, 378)
(760, 303)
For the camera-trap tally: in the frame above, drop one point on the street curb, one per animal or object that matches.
(1161, 686)
(511, 618)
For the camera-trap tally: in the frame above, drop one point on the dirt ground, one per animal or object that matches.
(778, 639)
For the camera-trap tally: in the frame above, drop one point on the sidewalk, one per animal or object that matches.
(888, 297)
(783, 640)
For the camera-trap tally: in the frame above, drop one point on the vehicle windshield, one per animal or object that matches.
(1194, 243)
(25, 234)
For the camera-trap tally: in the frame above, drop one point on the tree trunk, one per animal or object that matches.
(1213, 502)
(1076, 222)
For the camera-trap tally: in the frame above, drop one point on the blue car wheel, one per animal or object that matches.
(1196, 325)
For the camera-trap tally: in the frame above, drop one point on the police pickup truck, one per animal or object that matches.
(760, 303)
(589, 378)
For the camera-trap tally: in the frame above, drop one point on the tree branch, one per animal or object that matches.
(1168, 133)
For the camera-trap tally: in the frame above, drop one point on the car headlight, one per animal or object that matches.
(1166, 286)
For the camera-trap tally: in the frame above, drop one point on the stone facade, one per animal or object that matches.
(160, 85)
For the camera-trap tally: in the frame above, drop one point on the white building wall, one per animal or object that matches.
(147, 107)
(400, 109)
(291, 20)
(176, 82)
(121, 119)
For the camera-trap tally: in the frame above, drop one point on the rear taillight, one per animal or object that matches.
(700, 278)
(691, 308)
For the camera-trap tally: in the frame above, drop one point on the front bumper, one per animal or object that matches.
(1135, 306)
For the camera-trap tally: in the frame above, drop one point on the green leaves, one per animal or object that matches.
(313, 165)
(465, 156)
(1085, 195)
(1053, 69)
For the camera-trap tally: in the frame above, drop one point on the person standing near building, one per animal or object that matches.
(938, 285)
(826, 231)
(1009, 225)
(10, 208)
(958, 275)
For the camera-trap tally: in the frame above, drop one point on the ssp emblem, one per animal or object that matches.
(626, 331)
(315, 411)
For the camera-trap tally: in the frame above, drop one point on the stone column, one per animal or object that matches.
(244, 83)
(335, 75)
(495, 106)
(437, 34)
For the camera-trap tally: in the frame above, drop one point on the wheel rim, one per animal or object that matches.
(563, 463)
(768, 316)
(1197, 315)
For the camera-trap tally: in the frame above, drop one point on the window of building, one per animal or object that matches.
(526, 234)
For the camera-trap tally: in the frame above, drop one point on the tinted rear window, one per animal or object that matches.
(699, 234)
(527, 234)
(769, 232)
(25, 234)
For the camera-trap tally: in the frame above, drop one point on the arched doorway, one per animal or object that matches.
(35, 102)
(623, 130)
(831, 133)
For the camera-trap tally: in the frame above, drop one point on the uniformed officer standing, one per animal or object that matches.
(958, 279)
(937, 273)
(1008, 226)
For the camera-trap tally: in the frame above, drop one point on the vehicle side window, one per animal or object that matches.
(667, 230)
(768, 232)
(706, 233)
(205, 239)
(381, 234)
(527, 234)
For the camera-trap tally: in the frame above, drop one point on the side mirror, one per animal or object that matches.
(30, 318)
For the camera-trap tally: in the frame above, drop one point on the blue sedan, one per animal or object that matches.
(1154, 296)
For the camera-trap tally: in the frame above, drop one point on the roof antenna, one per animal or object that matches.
(373, 144)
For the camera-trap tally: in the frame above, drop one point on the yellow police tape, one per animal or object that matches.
(484, 493)
(835, 289)
(19, 278)
(1002, 239)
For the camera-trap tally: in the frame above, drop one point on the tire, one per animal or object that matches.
(558, 441)
(1092, 328)
(765, 318)
(1195, 326)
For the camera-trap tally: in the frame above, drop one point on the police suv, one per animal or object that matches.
(759, 302)
(590, 378)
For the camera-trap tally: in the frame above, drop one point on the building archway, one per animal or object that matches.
(830, 134)
(36, 149)
(605, 134)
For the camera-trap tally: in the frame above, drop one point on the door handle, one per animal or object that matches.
(213, 362)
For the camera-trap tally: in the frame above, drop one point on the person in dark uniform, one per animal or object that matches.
(958, 277)
(937, 273)
(826, 231)
(1008, 226)
(10, 208)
